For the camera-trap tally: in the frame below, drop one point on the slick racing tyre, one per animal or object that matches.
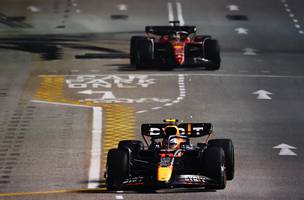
(134, 48)
(212, 53)
(144, 53)
(213, 161)
(132, 145)
(118, 164)
(227, 146)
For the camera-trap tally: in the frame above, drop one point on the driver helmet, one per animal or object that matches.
(175, 35)
(174, 139)
(175, 142)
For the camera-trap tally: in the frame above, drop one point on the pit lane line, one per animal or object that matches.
(182, 95)
(196, 74)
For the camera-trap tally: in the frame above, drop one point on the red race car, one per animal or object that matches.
(175, 45)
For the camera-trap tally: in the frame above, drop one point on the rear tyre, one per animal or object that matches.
(227, 146)
(213, 160)
(212, 53)
(118, 164)
(144, 53)
(133, 48)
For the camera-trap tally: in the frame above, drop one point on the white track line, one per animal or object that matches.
(182, 94)
(293, 17)
(94, 170)
(61, 104)
(119, 197)
(95, 162)
(180, 14)
(193, 74)
(170, 12)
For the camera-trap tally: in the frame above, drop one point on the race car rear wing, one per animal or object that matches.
(186, 129)
(163, 30)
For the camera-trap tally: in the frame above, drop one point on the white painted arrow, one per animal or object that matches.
(122, 7)
(233, 7)
(106, 94)
(33, 9)
(262, 94)
(285, 150)
(241, 30)
(249, 52)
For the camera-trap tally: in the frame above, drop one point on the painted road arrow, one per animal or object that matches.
(233, 7)
(106, 94)
(285, 150)
(249, 52)
(242, 31)
(262, 94)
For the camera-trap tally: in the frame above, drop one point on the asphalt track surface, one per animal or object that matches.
(68, 94)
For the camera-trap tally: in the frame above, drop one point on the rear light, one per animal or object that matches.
(178, 46)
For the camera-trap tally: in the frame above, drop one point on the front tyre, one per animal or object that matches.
(214, 167)
(227, 146)
(118, 165)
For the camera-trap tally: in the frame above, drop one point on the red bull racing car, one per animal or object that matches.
(171, 46)
(170, 160)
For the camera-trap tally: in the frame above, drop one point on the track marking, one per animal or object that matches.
(180, 13)
(263, 94)
(51, 192)
(199, 74)
(182, 94)
(122, 7)
(34, 9)
(119, 197)
(233, 7)
(293, 17)
(61, 104)
(249, 51)
(241, 31)
(141, 111)
(170, 12)
(95, 161)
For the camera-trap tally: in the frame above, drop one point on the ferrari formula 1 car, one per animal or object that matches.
(170, 160)
(170, 46)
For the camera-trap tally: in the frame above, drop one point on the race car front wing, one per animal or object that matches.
(178, 180)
